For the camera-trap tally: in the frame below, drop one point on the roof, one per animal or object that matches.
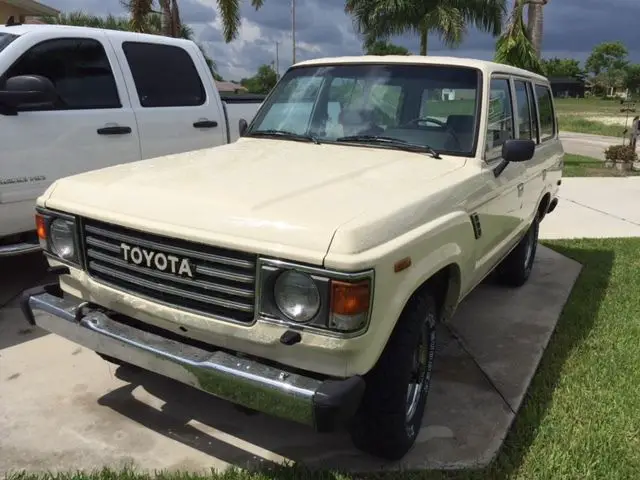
(484, 65)
(225, 86)
(32, 7)
(24, 29)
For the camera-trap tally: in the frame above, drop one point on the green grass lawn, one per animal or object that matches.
(580, 124)
(579, 115)
(581, 416)
(581, 166)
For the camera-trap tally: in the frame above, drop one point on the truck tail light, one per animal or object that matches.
(349, 305)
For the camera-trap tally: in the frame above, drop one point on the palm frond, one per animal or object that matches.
(514, 46)
(381, 19)
(230, 14)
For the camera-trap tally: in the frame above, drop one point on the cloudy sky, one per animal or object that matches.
(572, 29)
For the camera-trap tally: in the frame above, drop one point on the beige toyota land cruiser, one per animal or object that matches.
(301, 271)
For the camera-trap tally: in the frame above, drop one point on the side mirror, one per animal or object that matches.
(33, 91)
(518, 150)
(515, 151)
(242, 126)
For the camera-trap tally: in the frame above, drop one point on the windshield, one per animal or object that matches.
(6, 39)
(428, 105)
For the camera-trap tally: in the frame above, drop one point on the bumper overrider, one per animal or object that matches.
(320, 403)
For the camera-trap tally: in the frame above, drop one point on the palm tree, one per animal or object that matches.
(141, 10)
(380, 19)
(535, 23)
(229, 12)
(515, 46)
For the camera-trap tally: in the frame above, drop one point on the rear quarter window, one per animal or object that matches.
(546, 112)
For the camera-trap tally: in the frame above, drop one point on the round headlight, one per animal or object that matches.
(62, 242)
(296, 296)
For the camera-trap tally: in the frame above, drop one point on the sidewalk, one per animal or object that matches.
(595, 207)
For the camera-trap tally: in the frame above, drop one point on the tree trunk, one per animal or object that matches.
(535, 25)
(165, 6)
(424, 40)
(176, 24)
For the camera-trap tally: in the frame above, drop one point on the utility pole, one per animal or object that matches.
(277, 61)
(293, 28)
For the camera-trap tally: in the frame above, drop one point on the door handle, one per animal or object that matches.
(114, 130)
(520, 189)
(205, 124)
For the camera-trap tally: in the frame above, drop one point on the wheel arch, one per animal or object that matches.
(543, 206)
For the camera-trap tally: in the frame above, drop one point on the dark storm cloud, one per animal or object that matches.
(571, 28)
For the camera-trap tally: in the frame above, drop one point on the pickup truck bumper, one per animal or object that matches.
(21, 248)
(323, 404)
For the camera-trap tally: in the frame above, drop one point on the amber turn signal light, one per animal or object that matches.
(40, 227)
(349, 298)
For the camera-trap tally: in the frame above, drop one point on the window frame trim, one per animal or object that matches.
(120, 104)
(528, 86)
(493, 158)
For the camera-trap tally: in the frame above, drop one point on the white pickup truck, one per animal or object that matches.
(301, 270)
(74, 99)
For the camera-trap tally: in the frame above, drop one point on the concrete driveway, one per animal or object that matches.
(587, 145)
(595, 208)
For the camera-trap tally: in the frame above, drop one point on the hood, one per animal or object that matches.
(274, 197)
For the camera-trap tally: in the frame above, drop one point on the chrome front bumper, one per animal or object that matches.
(322, 404)
(22, 248)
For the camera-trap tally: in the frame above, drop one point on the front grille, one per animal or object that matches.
(214, 281)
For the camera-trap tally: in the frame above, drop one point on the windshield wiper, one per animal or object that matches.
(396, 142)
(283, 134)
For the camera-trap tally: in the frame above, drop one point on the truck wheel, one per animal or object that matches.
(516, 268)
(390, 415)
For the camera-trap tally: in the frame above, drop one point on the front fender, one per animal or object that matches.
(445, 241)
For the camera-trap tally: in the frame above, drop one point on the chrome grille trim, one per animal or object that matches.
(223, 282)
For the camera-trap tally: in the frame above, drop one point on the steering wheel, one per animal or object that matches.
(440, 123)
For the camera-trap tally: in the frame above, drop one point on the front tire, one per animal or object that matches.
(516, 268)
(390, 415)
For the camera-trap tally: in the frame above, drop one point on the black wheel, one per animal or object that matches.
(516, 268)
(390, 415)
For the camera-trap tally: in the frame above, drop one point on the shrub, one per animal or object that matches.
(621, 153)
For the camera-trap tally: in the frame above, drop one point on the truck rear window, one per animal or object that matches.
(6, 39)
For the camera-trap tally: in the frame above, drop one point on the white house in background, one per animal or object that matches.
(22, 10)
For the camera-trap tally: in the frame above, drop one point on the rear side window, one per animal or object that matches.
(523, 107)
(165, 75)
(77, 67)
(547, 114)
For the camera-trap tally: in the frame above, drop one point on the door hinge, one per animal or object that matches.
(475, 222)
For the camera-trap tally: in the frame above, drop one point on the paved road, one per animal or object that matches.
(588, 145)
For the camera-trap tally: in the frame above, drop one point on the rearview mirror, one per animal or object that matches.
(518, 150)
(33, 91)
(242, 126)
